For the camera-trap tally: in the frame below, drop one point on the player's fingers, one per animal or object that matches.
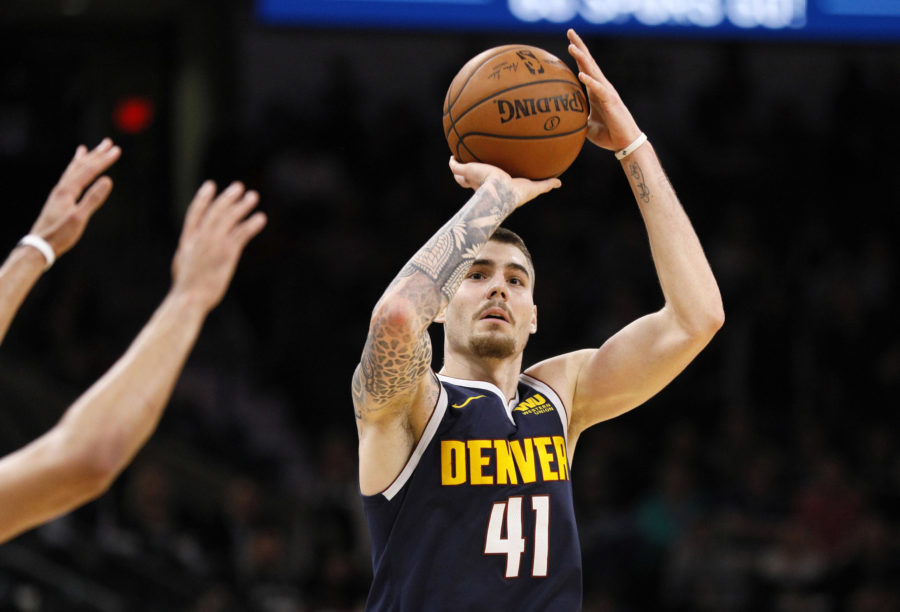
(460, 174)
(198, 206)
(455, 166)
(79, 152)
(598, 90)
(582, 55)
(249, 228)
(548, 185)
(95, 197)
(586, 63)
(576, 42)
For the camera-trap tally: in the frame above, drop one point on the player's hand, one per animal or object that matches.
(610, 124)
(66, 212)
(216, 230)
(473, 175)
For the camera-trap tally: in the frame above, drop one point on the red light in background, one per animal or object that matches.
(133, 114)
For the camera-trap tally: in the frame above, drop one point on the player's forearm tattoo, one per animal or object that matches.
(637, 177)
(395, 356)
(447, 256)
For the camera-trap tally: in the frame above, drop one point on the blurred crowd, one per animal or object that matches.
(766, 477)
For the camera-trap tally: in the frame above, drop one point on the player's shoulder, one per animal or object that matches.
(560, 372)
(561, 369)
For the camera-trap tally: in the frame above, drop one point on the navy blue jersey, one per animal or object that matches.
(481, 517)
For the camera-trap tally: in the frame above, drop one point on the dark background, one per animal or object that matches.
(766, 477)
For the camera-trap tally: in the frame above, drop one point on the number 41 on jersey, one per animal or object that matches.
(513, 545)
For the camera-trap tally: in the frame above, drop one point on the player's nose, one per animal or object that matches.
(497, 290)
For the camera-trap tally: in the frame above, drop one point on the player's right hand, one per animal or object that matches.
(473, 175)
(610, 124)
(66, 213)
(216, 230)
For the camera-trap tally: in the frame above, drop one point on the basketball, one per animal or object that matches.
(519, 108)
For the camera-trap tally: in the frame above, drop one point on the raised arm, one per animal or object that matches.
(101, 432)
(646, 355)
(60, 224)
(397, 353)
(392, 387)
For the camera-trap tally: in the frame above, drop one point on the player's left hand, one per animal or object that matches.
(610, 125)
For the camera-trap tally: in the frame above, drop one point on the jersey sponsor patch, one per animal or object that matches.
(536, 404)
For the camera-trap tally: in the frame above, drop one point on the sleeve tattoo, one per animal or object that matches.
(395, 357)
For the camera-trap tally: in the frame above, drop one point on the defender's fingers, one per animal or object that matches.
(232, 194)
(80, 151)
(241, 209)
(95, 197)
(88, 167)
(245, 232)
(198, 206)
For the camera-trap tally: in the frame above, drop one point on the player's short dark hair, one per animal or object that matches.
(507, 236)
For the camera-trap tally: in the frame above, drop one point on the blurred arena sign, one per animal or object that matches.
(877, 20)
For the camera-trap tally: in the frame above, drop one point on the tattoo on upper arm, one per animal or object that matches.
(392, 361)
(637, 176)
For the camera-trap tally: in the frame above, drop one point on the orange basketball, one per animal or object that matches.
(519, 108)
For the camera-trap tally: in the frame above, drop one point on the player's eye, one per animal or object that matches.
(515, 280)
(476, 275)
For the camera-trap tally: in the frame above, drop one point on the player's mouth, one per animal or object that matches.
(495, 314)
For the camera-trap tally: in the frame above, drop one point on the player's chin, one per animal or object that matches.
(493, 344)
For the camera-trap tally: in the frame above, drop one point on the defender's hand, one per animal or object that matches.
(64, 216)
(215, 232)
(610, 124)
(473, 175)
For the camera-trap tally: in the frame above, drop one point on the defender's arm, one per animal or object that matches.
(60, 224)
(101, 432)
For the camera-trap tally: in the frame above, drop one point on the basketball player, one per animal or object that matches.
(98, 435)
(465, 473)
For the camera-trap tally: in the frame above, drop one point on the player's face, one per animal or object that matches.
(493, 312)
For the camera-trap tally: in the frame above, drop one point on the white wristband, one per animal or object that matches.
(632, 147)
(41, 245)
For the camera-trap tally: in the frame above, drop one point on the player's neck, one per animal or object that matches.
(503, 373)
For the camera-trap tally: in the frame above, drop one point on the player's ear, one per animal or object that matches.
(534, 318)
